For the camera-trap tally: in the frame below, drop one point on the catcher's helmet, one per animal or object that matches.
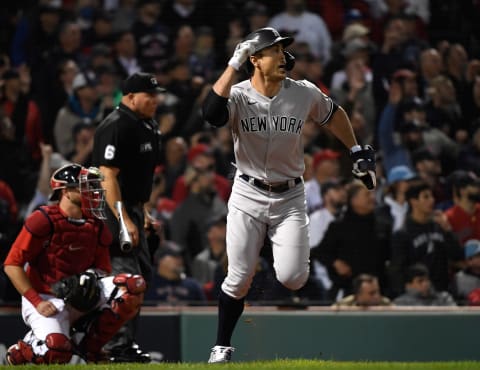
(65, 176)
(267, 37)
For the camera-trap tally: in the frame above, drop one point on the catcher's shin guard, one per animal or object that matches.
(59, 351)
(122, 309)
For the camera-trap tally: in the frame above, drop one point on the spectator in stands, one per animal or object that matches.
(84, 106)
(467, 280)
(57, 97)
(426, 237)
(125, 51)
(207, 261)
(443, 109)
(83, 134)
(334, 199)
(431, 66)
(469, 155)
(419, 290)
(169, 283)
(429, 169)
(366, 293)
(51, 161)
(306, 26)
(201, 157)
(395, 204)
(16, 167)
(152, 36)
(326, 167)
(363, 249)
(175, 162)
(202, 202)
(464, 215)
(23, 113)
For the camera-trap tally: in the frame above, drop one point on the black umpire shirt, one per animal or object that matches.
(125, 141)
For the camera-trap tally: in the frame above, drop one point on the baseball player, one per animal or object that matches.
(66, 248)
(266, 114)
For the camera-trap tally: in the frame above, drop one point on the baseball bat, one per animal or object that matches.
(124, 235)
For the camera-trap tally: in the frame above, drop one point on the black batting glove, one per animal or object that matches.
(364, 165)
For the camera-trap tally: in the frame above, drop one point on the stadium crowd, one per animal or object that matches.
(407, 72)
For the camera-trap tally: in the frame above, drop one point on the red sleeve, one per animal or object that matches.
(180, 190)
(31, 239)
(102, 255)
(25, 248)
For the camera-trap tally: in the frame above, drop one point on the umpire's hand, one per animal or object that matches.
(364, 165)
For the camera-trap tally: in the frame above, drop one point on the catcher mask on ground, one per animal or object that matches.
(92, 193)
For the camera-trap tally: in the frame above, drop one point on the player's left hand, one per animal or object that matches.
(364, 166)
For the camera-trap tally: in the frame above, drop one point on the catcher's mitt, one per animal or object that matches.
(79, 291)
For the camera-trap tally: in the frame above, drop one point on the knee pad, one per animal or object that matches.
(128, 304)
(20, 353)
(59, 349)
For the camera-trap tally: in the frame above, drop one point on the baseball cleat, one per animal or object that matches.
(220, 354)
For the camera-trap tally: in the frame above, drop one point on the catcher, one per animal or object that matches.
(66, 248)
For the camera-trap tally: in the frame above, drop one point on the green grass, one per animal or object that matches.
(276, 365)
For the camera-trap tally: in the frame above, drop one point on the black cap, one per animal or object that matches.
(461, 179)
(141, 82)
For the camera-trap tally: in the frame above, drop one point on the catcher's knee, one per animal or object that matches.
(127, 305)
(59, 351)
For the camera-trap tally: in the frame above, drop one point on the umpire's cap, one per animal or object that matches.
(141, 82)
(267, 37)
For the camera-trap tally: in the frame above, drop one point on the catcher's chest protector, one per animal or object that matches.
(71, 249)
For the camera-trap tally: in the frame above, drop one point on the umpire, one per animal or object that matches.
(127, 149)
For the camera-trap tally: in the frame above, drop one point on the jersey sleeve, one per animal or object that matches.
(232, 105)
(322, 107)
(30, 241)
(107, 146)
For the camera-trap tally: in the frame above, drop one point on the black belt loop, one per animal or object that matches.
(273, 188)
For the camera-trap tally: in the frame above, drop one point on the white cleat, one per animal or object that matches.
(220, 354)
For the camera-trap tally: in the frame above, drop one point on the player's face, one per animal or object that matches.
(145, 104)
(271, 62)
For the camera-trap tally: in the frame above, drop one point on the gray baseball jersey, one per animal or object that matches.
(267, 132)
(268, 146)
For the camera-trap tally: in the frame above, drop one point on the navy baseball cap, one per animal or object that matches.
(141, 82)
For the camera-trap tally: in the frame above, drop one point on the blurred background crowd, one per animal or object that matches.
(407, 72)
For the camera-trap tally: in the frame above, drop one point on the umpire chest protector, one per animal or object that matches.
(72, 245)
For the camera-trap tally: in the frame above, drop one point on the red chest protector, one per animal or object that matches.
(72, 246)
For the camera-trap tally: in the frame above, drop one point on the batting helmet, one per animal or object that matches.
(267, 37)
(66, 176)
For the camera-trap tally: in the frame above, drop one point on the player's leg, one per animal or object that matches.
(245, 237)
(122, 296)
(48, 341)
(290, 244)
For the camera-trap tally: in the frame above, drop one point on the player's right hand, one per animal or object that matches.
(46, 308)
(242, 51)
